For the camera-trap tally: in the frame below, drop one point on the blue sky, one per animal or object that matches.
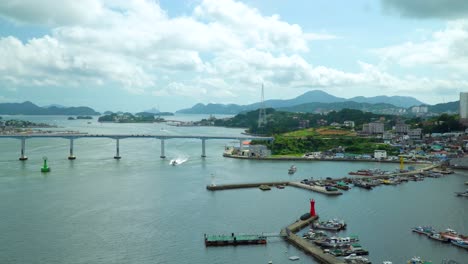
(137, 54)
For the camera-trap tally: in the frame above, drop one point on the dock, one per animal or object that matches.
(234, 240)
(306, 246)
(318, 189)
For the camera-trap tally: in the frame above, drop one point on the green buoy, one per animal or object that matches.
(45, 168)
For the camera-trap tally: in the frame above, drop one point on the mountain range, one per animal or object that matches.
(28, 108)
(314, 96)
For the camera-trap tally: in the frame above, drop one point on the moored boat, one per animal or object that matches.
(334, 242)
(333, 224)
(438, 237)
(425, 230)
(418, 260)
(264, 187)
(462, 194)
(353, 258)
(459, 243)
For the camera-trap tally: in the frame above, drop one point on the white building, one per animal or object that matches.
(419, 109)
(380, 154)
(348, 123)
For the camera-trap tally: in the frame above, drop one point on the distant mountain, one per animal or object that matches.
(154, 114)
(400, 101)
(54, 105)
(379, 108)
(153, 110)
(314, 96)
(28, 108)
(451, 107)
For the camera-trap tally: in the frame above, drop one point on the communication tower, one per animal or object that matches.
(261, 112)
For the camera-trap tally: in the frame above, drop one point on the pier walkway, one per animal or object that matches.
(117, 137)
(271, 184)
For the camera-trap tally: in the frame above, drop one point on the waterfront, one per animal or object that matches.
(142, 210)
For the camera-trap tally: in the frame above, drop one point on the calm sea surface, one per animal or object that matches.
(140, 209)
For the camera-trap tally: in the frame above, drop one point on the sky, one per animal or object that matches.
(133, 55)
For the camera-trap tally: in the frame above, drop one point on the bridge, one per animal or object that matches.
(118, 137)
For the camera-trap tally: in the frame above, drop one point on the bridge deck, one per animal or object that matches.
(122, 136)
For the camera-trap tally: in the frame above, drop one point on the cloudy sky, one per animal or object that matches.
(136, 54)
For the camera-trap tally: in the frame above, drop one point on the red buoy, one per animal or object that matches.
(312, 207)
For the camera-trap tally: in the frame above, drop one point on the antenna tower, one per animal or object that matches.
(262, 113)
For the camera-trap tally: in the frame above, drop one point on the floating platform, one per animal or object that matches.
(234, 240)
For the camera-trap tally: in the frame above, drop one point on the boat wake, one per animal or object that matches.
(178, 161)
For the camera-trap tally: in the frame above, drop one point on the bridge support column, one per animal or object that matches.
(203, 154)
(71, 156)
(117, 149)
(23, 147)
(163, 156)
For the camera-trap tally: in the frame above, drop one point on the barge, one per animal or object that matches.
(234, 240)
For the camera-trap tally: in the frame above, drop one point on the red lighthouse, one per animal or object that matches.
(312, 207)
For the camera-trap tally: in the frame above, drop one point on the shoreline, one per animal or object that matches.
(291, 158)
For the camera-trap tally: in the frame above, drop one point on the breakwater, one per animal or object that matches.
(318, 189)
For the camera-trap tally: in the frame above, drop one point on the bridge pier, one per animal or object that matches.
(203, 155)
(71, 156)
(163, 156)
(117, 149)
(23, 147)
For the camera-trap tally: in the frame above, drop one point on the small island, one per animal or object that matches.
(13, 126)
(130, 118)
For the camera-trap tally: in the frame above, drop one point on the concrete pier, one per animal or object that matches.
(71, 156)
(319, 189)
(23, 149)
(163, 156)
(305, 245)
(203, 155)
(257, 184)
(117, 149)
(243, 185)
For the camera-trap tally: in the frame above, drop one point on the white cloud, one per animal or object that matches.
(447, 48)
(221, 52)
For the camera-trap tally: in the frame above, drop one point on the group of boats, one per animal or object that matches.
(369, 172)
(447, 236)
(347, 247)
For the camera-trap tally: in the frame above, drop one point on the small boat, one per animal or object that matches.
(353, 258)
(333, 224)
(292, 169)
(329, 188)
(280, 186)
(361, 173)
(462, 194)
(418, 260)
(315, 235)
(264, 187)
(334, 242)
(363, 184)
(438, 237)
(294, 258)
(460, 243)
(342, 185)
(425, 230)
